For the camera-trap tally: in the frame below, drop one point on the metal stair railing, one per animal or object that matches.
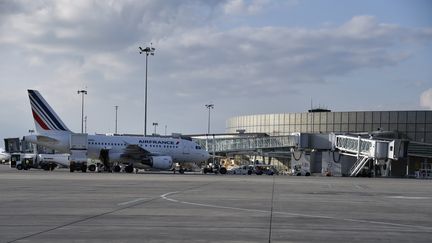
(356, 145)
(358, 165)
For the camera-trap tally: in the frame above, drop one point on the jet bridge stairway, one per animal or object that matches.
(358, 166)
(368, 148)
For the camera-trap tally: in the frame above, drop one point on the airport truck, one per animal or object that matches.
(51, 161)
(23, 161)
(210, 168)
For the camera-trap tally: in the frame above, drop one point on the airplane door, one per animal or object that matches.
(186, 149)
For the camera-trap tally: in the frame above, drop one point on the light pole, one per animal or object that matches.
(155, 124)
(209, 107)
(85, 124)
(82, 92)
(148, 51)
(116, 108)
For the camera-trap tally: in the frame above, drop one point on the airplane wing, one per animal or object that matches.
(135, 152)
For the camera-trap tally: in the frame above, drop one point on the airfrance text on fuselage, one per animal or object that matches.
(157, 142)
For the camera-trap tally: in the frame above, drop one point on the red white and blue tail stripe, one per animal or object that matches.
(45, 117)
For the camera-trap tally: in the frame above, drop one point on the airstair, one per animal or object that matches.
(359, 164)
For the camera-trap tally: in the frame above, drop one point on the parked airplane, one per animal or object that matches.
(4, 155)
(132, 151)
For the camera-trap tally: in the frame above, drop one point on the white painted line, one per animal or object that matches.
(358, 187)
(413, 198)
(165, 197)
(132, 201)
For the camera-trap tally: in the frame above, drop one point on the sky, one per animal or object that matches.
(244, 56)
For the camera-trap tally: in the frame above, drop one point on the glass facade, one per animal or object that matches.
(416, 125)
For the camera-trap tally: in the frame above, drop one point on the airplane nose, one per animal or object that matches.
(206, 155)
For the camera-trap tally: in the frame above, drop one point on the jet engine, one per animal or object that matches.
(161, 162)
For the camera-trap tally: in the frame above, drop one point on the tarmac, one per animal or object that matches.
(58, 206)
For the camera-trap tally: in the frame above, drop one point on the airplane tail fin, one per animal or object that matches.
(46, 120)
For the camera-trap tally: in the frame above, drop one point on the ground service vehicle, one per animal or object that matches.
(23, 161)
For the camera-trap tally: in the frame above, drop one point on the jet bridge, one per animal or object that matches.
(252, 143)
(366, 149)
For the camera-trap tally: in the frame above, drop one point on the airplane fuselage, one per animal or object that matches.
(181, 150)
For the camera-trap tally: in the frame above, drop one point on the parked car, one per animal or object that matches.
(265, 170)
(243, 170)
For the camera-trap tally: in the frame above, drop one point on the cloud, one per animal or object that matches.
(63, 46)
(236, 7)
(426, 99)
(256, 58)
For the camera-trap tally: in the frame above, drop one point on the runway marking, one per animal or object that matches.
(360, 187)
(412, 198)
(165, 197)
(132, 201)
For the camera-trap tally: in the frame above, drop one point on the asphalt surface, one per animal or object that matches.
(58, 206)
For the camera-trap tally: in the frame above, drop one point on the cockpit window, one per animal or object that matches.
(197, 147)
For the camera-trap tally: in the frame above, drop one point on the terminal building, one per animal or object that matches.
(412, 125)
(414, 128)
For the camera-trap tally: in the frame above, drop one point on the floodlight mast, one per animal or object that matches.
(148, 51)
(209, 107)
(116, 109)
(155, 124)
(82, 92)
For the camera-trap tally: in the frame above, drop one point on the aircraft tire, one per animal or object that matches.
(129, 169)
(83, 168)
(117, 168)
(223, 170)
(92, 168)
